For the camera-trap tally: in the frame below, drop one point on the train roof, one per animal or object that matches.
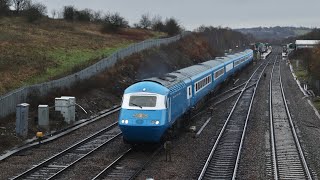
(214, 63)
(171, 79)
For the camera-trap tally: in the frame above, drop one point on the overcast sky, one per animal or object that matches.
(193, 13)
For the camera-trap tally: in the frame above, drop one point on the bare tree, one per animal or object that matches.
(35, 11)
(97, 16)
(54, 13)
(20, 5)
(85, 15)
(69, 13)
(157, 24)
(60, 14)
(145, 21)
(113, 23)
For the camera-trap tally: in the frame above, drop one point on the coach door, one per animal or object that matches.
(189, 94)
(169, 109)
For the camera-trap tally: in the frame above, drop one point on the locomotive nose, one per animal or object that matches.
(142, 118)
(143, 126)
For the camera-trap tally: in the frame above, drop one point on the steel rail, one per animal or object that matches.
(304, 162)
(101, 174)
(132, 174)
(245, 126)
(230, 90)
(219, 102)
(223, 100)
(146, 163)
(304, 171)
(204, 169)
(275, 166)
(66, 151)
(61, 133)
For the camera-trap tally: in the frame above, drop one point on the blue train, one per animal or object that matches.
(152, 106)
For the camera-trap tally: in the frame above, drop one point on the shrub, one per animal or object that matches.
(157, 24)
(172, 27)
(97, 16)
(21, 5)
(35, 12)
(85, 15)
(69, 13)
(113, 23)
(145, 21)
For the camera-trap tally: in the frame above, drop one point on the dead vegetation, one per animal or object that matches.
(32, 53)
(106, 89)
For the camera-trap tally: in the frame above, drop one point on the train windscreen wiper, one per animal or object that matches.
(135, 105)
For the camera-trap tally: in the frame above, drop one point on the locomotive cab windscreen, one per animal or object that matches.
(144, 101)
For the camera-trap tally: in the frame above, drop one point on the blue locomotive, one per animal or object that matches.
(149, 108)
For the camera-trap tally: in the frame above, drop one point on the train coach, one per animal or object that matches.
(151, 107)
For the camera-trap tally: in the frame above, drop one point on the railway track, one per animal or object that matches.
(59, 134)
(227, 94)
(62, 161)
(288, 159)
(128, 165)
(222, 162)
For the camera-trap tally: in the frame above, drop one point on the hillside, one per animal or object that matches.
(106, 89)
(275, 33)
(33, 53)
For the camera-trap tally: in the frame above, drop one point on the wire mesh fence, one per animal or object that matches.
(9, 101)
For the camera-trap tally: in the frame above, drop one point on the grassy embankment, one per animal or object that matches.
(317, 103)
(34, 53)
(300, 70)
(303, 75)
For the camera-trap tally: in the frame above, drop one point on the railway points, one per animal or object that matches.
(247, 89)
(224, 156)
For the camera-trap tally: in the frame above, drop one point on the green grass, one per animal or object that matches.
(303, 75)
(68, 61)
(157, 35)
(300, 72)
(317, 103)
(51, 49)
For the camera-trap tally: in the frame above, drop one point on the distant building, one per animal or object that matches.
(300, 44)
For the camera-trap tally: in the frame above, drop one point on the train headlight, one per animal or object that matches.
(124, 121)
(157, 122)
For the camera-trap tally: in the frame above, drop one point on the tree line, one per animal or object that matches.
(112, 22)
(224, 38)
(310, 57)
(32, 11)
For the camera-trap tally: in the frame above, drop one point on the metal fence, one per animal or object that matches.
(9, 101)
